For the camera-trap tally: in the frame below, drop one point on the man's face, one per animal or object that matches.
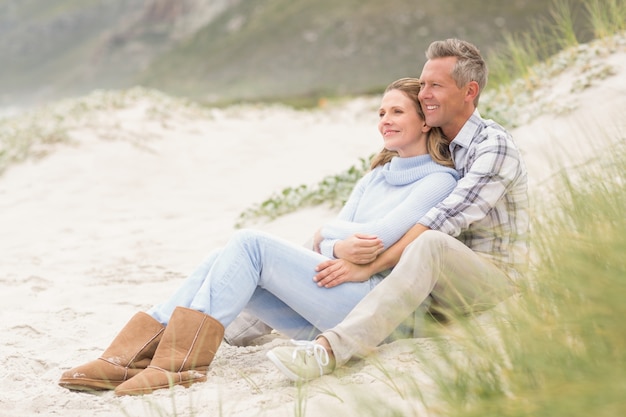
(444, 103)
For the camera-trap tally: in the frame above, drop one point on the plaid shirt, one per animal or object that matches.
(488, 210)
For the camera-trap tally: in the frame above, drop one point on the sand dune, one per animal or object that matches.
(112, 223)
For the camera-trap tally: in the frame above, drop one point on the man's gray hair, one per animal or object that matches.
(470, 65)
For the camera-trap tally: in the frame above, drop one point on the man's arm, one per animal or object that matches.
(334, 272)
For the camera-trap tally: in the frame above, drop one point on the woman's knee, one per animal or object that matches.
(243, 236)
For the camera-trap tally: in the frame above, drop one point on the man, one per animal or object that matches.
(464, 255)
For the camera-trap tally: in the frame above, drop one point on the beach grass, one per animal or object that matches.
(35, 133)
(560, 349)
(521, 53)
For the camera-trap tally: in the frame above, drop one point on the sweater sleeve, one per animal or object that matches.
(431, 190)
(327, 246)
(349, 208)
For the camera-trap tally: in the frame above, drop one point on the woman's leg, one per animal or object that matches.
(186, 292)
(285, 270)
(278, 315)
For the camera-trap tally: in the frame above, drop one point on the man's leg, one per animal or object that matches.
(434, 264)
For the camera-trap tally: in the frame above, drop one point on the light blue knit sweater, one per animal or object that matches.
(389, 200)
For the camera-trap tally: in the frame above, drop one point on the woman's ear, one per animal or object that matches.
(425, 128)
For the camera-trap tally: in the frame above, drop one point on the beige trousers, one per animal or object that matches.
(435, 267)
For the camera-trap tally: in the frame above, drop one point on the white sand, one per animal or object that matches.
(106, 227)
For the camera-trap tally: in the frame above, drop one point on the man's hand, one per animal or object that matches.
(359, 249)
(334, 272)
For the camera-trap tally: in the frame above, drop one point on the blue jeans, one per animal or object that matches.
(272, 279)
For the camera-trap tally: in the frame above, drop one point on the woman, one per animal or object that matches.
(174, 342)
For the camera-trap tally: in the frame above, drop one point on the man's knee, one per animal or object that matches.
(433, 236)
(430, 241)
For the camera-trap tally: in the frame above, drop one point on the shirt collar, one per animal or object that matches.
(468, 131)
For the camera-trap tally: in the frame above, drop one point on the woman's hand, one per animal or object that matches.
(359, 249)
(337, 271)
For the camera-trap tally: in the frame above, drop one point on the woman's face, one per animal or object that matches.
(400, 125)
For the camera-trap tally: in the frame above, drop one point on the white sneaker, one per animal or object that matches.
(304, 361)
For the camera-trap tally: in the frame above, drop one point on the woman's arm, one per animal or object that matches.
(395, 216)
(335, 272)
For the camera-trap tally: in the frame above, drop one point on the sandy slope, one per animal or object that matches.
(105, 227)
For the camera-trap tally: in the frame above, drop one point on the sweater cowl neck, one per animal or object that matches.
(402, 171)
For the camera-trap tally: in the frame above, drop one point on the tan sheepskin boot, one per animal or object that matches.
(129, 353)
(187, 348)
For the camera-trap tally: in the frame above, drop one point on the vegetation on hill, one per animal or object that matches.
(278, 49)
(222, 51)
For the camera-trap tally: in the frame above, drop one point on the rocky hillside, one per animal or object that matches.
(226, 50)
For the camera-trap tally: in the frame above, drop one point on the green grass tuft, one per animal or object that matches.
(560, 349)
(332, 190)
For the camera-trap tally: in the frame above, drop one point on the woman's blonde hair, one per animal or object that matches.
(437, 143)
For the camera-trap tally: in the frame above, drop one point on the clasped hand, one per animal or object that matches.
(354, 254)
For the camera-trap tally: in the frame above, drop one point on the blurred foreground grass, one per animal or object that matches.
(560, 349)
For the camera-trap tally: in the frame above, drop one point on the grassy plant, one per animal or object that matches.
(171, 405)
(330, 393)
(333, 190)
(607, 17)
(518, 56)
(34, 134)
(28, 137)
(563, 31)
(389, 378)
(561, 350)
(299, 406)
(525, 98)
(250, 381)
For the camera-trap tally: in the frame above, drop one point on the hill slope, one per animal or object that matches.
(282, 48)
(225, 50)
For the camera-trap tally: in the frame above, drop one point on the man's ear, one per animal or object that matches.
(472, 91)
